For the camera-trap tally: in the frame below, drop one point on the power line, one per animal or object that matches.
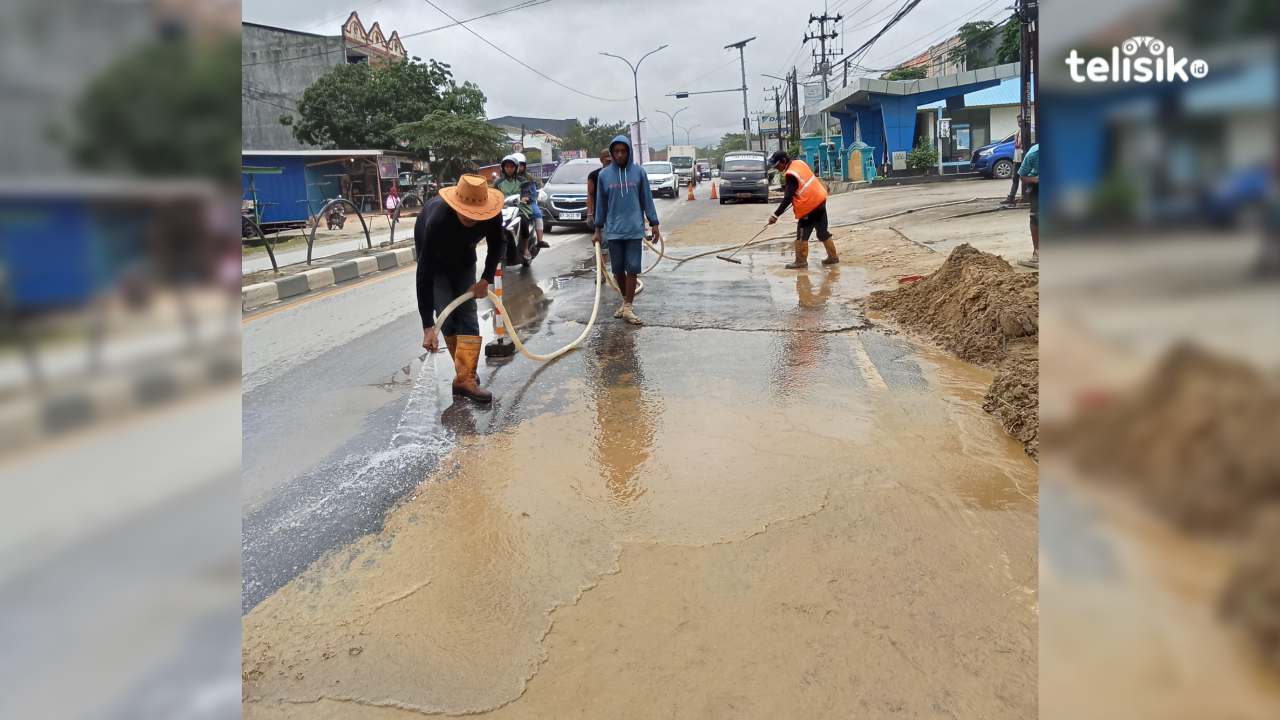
(923, 63)
(948, 24)
(522, 63)
(906, 9)
(519, 6)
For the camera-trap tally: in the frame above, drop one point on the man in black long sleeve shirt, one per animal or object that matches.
(445, 237)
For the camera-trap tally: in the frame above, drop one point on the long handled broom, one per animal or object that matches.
(729, 258)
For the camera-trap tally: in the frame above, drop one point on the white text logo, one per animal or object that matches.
(1158, 63)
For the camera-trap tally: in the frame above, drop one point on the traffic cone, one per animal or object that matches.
(500, 347)
(714, 195)
(690, 190)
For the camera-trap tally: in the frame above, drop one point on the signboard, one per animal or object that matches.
(771, 124)
(899, 159)
(944, 127)
(387, 167)
(813, 93)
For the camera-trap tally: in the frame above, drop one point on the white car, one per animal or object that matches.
(662, 178)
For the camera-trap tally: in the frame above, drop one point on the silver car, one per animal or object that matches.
(564, 198)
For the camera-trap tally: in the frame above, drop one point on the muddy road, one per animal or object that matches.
(760, 504)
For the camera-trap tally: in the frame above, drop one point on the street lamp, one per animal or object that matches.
(688, 130)
(635, 79)
(672, 118)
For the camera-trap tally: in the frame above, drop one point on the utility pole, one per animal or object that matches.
(824, 65)
(1027, 14)
(635, 78)
(777, 111)
(795, 107)
(742, 62)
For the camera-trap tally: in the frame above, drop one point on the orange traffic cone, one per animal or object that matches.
(714, 195)
(690, 190)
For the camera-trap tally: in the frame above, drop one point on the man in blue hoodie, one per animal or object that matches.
(623, 201)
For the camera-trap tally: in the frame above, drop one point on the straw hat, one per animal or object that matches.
(473, 198)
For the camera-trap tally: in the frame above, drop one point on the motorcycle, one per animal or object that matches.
(336, 217)
(517, 229)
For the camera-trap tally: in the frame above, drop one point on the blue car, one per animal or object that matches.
(996, 160)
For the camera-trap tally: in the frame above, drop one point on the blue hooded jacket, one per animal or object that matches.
(623, 198)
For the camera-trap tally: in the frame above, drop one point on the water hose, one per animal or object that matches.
(511, 331)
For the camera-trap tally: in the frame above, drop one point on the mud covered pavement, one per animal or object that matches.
(757, 505)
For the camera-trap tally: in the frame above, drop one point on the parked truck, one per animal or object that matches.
(683, 159)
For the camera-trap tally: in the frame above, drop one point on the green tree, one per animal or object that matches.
(594, 136)
(458, 141)
(1010, 49)
(729, 142)
(906, 73)
(166, 108)
(357, 106)
(975, 39)
(923, 156)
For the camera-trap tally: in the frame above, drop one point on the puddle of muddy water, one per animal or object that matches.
(1129, 627)
(789, 528)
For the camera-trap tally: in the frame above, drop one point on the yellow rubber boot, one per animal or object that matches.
(832, 258)
(802, 256)
(466, 359)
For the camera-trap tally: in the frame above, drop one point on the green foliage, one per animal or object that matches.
(923, 156)
(975, 38)
(594, 136)
(456, 139)
(357, 106)
(906, 73)
(1010, 49)
(166, 108)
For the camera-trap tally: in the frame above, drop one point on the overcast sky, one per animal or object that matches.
(562, 38)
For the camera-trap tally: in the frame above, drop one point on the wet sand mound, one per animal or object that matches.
(1197, 439)
(1197, 442)
(978, 307)
(1251, 599)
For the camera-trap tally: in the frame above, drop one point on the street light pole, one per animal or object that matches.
(672, 118)
(688, 130)
(635, 79)
(742, 62)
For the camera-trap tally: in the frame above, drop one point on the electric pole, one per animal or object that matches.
(777, 112)
(823, 66)
(742, 62)
(1027, 14)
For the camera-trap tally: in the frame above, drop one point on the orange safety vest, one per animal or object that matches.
(810, 194)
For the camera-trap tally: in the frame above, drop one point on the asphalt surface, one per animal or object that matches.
(326, 383)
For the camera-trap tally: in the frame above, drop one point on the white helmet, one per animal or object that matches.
(520, 159)
(512, 158)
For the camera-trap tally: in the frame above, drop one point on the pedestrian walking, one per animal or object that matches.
(392, 202)
(807, 197)
(1029, 171)
(623, 201)
(445, 236)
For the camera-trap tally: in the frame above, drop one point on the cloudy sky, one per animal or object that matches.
(563, 39)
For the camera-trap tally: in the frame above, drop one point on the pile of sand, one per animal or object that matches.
(1198, 440)
(1251, 598)
(978, 307)
(973, 305)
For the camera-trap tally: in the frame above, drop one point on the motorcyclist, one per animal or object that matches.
(531, 185)
(510, 183)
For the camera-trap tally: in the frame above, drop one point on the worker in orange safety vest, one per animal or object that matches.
(806, 194)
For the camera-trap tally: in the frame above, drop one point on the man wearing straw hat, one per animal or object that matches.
(445, 237)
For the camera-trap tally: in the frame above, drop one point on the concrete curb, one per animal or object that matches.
(265, 293)
(34, 418)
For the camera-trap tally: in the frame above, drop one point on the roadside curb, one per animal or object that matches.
(262, 294)
(35, 418)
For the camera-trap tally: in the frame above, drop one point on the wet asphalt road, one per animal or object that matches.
(330, 442)
(326, 383)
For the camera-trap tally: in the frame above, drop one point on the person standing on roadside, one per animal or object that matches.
(593, 179)
(445, 236)
(806, 194)
(623, 201)
(1029, 171)
(1015, 182)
